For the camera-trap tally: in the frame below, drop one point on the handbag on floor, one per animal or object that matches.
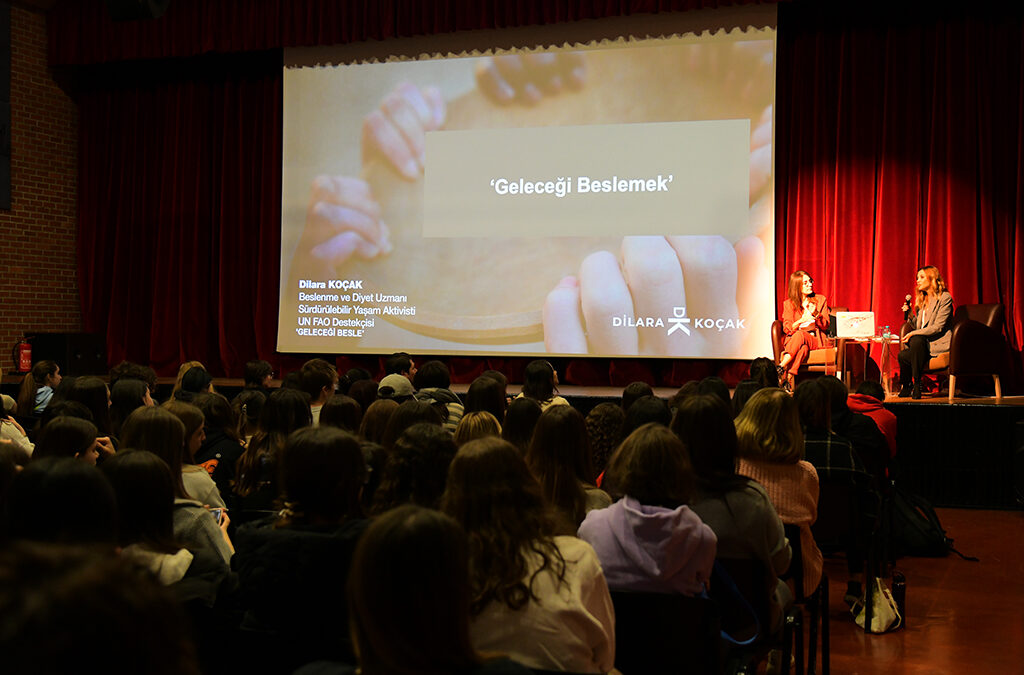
(885, 615)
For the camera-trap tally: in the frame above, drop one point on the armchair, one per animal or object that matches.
(827, 361)
(977, 347)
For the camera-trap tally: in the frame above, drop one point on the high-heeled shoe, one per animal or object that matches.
(915, 393)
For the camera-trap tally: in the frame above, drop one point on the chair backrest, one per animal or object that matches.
(665, 633)
(991, 314)
(838, 514)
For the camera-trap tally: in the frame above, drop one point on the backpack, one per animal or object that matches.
(916, 530)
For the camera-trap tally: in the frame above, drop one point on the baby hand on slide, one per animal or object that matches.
(528, 78)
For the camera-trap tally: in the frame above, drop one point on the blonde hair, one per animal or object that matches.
(933, 275)
(768, 428)
(474, 425)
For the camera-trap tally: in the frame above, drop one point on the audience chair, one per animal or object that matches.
(829, 361)
(665, 633)
(977, 347)
(751, 577)
(816, 604)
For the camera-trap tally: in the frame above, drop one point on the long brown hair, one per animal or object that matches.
(559, 456)
(162, 433)
(932, 272)
(796, 287)
(31, 383)
(768, 428)
(408, 595)
(499, 503)
(285, 411)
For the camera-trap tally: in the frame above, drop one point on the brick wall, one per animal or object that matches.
(38, 288)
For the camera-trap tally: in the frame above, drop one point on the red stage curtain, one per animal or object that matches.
(899, 144)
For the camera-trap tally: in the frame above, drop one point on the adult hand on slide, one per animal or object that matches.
(396, 131)
(342, 220)
(528, 78)
(657, 275)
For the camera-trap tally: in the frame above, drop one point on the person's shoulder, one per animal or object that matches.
(807, 471)
(574, 549)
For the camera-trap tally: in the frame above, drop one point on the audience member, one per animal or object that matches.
(770, 445)
(37, 388)
(62, 500)
(198, 483)
(689, 389)
(126, 395)
(646, 409)
(92, 392)
(54, 599)
(397, 388)
(11, 430)
(256, 481)
(364, 391)
(432, 382)
(375, 421)
(520, 421)
(126, 370)
(247, 407)
(735, 507)
(159, 431)
(406, 415)
(715, 385)
(222, 445)
(540, 382)
(634, 391)
(258, 375)
(416, 468)
(744, 390)
(185, 367)
(538, 597)
(351, 376)
(292, 567)
(650, 540)
(476, 425)
(342, 412)
(68, 437)
(868, 401)
(400, 363)
(195, 381)
(559, 456)
(868, 442)
(604, 429)
(409, 600)
(319, 378)
(487, 394)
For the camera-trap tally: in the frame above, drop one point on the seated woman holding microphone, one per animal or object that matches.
(933, 329)
(805, 318)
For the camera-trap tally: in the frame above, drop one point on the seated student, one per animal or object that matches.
(67, 436)
(37, 388)
(292, 567)
(520, 421)
(868, 442)
(247, 406)
(92, 392)
(125, 396)
(770, 442)
(537, 597)
(634, 391)
(559, 456)
(409, 600)
(198, 483)
(646, 409)
(195, 381)
(735, 507)
(540, 382)
(836, 462)
(319, 378)
(400, 363)
(351, 376)
(868, 400)
(62, 500)
(256, 472)
(375, 421)
(416, 469)
(604, 429)
(487, 394)
(53, 599)
(11, 430)
(158, 431)
(342, 412)
(144, 488)
(474, 425)
(650, 540)
(258, 375)
(432, 382)
(222, 445)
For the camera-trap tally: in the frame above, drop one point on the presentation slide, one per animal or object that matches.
(613, 199)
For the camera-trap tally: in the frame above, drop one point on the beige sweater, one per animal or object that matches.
(793, 489)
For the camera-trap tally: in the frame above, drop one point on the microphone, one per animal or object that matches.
(906, 307)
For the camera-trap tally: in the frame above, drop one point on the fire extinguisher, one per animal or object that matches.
(23, 356)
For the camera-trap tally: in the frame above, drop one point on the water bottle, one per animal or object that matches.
(899, 595)
(886, 334)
